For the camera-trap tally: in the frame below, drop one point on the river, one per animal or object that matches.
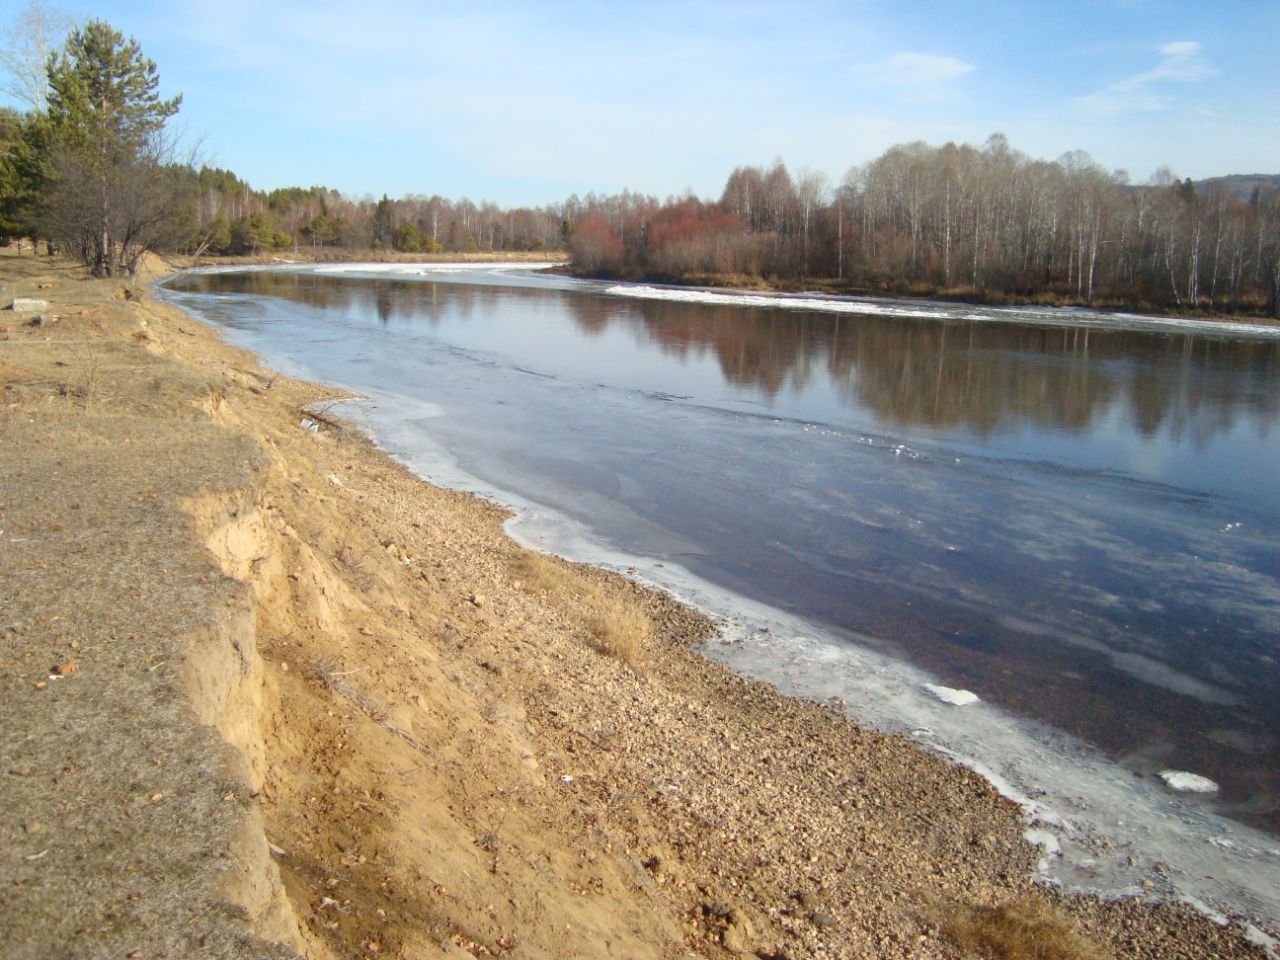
(1073, 516)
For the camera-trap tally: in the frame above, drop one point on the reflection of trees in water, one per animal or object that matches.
(388, 300)
(592, 314)
(764, 351)
(981, 376)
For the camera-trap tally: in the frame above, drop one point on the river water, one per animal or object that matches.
(1073, 516)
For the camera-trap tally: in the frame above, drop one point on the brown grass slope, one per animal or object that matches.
(123, 821)
(453, 747)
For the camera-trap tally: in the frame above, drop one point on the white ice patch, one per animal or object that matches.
(957, 698)
(1043, 839)
(1048, 844)
(776, 302)
(1185, 782)
(1045, 317)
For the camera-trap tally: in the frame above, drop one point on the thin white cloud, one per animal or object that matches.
(914, 75)
(1147, 92)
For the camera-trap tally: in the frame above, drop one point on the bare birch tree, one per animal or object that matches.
(30, 38)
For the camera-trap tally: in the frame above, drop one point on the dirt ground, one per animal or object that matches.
(264, 693)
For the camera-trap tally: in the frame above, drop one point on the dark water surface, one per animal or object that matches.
(1079, 523)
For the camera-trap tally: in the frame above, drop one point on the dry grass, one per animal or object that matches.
(1030, 928)
(617, 628)
(541, 573)
(620, 630)
(99, 569)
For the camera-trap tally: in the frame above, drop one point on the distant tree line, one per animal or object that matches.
(91, 165)
(229, 217)
(988, 223)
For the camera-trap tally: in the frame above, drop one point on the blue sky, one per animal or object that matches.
(527, 103)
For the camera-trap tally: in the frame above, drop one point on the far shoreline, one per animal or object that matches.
(1071, 314)
(762, 286)
(561, 263)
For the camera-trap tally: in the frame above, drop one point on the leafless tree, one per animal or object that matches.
(31, 36)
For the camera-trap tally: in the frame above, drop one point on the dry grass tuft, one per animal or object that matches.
(540, 572)
(1029, 928)
(620, 630)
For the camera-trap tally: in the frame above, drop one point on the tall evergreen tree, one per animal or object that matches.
(113, 198)
(383, 224)
(24, 171)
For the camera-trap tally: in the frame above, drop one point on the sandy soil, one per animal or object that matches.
(265, 693)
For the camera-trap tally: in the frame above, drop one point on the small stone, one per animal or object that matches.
(822, 920)
(157, 797)
(806, 900)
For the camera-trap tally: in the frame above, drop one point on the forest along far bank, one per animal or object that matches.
(984, 224)
(441, 741)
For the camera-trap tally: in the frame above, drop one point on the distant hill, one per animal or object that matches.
(1241, 185)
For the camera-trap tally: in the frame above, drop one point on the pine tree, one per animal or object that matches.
(112, 196)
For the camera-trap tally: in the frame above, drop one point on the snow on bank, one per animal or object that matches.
(868, 306)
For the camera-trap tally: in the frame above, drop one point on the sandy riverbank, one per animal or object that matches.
(308, 703)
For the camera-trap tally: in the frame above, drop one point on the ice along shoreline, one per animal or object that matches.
(1101, 829)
